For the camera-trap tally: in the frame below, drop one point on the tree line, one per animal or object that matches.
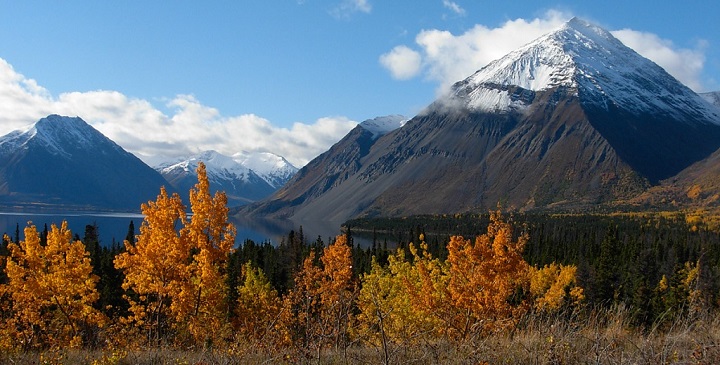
(181, 282)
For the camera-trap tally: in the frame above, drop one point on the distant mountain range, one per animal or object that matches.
(63, 163)
(573, 121)
(244, 177)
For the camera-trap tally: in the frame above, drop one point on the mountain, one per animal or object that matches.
(712, 97)
(62, 162)
(566, 122)
(245, 177)
(328, 170)
(274, 169)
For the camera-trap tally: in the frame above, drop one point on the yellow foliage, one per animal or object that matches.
(155, 267)
(475, 291)
(484, 277)
(387, 314)
(176, 267)
(694, 192)
(318, 309)
(200, 305)
(553, 286)
(258, 304)
(51, 290)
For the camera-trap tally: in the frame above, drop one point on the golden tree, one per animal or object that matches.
(175, 271)
(427, 286)
(318, 309)
(554, 286)
(486, 278)
(52, 290)
(201, 304)
(156, 266)
(258, 305)
(387, 317)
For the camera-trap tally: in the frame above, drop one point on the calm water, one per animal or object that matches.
(114, 226)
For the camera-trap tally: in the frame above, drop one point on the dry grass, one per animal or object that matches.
(596, 337)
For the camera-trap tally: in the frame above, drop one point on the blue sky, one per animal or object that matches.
(291, 76)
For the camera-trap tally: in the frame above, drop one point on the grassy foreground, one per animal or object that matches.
(596, 337)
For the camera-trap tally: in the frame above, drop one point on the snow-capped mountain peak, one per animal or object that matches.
(274, 169)
(382, 125)
(63, 161)
(590, 62)
(218, 166)
(59, 135)
(244, 176)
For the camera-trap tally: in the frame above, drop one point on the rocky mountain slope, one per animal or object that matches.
(572, 120)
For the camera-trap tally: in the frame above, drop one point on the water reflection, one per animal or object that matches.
(114, 226)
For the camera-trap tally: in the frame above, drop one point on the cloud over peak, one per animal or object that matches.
(446, 58)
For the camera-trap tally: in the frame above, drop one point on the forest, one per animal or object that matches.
(471, 288)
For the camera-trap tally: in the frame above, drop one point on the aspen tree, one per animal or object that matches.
(554, 286)
(318, 309)
(486, 278)
(258, 307)
(201, 303)
(156, 266)
(52, 290)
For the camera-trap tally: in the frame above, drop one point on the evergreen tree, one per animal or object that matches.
(606, 270)
(130, 236)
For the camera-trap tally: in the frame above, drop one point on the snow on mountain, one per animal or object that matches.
(219, 168)
(586, 58)
(63, 161)
(382, 125)
(274, 169)
(713, 97)
(53, 133)
(243, 166)
(570, 121)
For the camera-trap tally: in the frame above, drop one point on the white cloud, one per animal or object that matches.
(447, 58)
(685, 65)
(454, 7)
(348, 7)
(139, 127)
(402, 62)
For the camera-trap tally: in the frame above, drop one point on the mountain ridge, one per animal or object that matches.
(64, 162)
(572, 130)
(232, 174)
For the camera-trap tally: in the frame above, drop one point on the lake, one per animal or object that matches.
(114, 226)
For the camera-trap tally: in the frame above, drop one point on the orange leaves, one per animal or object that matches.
(155, 267)
(175, 268)
(477, 290)
(485, 275)
(322, 300)
(52, 290)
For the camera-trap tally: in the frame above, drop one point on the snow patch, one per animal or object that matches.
(243, 166)
(582, 56)
(381, 126)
